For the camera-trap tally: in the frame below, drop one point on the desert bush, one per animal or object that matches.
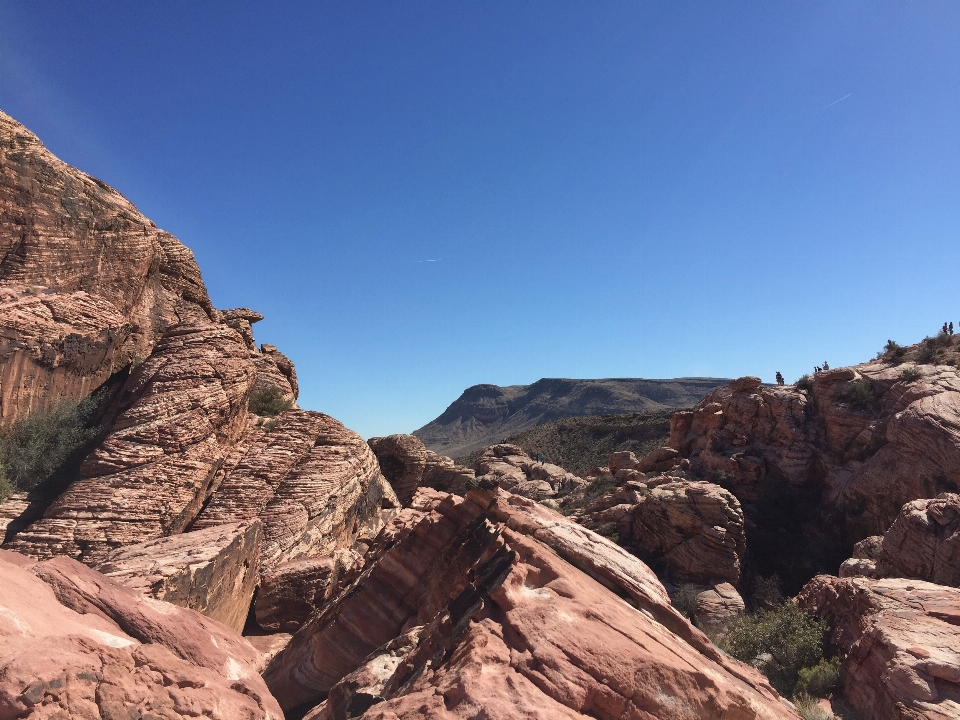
(858, 394)
(910, 374)
(805, 384)
(34, 448)
(893, 351)
(819, 680)
(930, 352)
(601, 485)
(808, 709)
(267, 401)
(610, 530)
(684, 600)
(781, 642)
(767, 592)
(6, 487)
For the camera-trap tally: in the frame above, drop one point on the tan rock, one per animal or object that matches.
(443, 474)
(506, 625)
(74, 644)
(924, 541)
(213, 571)
(898, 639)
(402, 459)
(512, 469)
(718, 607)
(625, 460)
(695, 528)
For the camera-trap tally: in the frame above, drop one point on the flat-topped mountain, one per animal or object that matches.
(485, 414)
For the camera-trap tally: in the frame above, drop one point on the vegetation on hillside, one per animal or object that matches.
(34, 448)
(580, 444)
(267, 401)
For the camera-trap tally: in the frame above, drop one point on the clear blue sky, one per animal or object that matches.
(637, 189)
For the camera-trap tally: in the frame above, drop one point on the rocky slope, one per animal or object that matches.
(486, 414)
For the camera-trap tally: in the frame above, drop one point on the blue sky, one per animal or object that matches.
(637, 189)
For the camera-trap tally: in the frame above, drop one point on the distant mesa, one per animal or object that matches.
(485, 414)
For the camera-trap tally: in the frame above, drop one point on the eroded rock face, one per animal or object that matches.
(924, 541)
(718, 607)
(899, 442)
(695, 528)
(898, 639)
(443, 474)
(309, 480)
(402, 458)
(89, 282)
(212, 571)
(185, 405)
(504, 624)
(512, 469)
(73, 644)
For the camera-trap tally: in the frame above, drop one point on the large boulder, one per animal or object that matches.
(512, 469)
(402, 458)
(899, 643)
(213, 571)
(74, 644)
(443, 474)
(695, 529)
(458, 613)
(185, 406)
(924, 541)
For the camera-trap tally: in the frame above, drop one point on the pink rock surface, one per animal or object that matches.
(924, 541)
(899, 642)
(402, 458)
(503, 626)
(512, 469)
(108, 652)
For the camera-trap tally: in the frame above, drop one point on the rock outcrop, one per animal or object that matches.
(402, 458)
(90, 284)
(696, 529)
(309, 480)
(443, 474)
(718, 607)
(185, 406)
(924, 541)
(74, 644)
(212, 571)
(457, 611)
(512, 469)
(898, 639)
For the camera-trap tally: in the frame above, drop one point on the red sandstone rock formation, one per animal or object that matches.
(898, 640)
(456, 613)
(185, 405)
(718, 607)
(75, 644)
(89, 282)
(402, 458)
(512, 469)
(310, 481)
(443, 474)
(212, 571)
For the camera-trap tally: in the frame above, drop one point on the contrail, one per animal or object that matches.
(834, 103)
(437, 260)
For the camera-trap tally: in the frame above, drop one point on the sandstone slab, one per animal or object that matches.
(213, 571)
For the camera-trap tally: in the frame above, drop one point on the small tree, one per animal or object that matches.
(267, 401)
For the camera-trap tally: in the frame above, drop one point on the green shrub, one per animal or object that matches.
(767, 592)
(910, 374)
(786, 638)
(601, 485)
(805, 384)
(684, 600)
(893, 351)
(6, 488)
(930, 351)
(819, 680)
(34, 448)
(808, 709)
(267, 401)
(858, 394)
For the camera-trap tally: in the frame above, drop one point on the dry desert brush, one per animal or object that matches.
(36, 446)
